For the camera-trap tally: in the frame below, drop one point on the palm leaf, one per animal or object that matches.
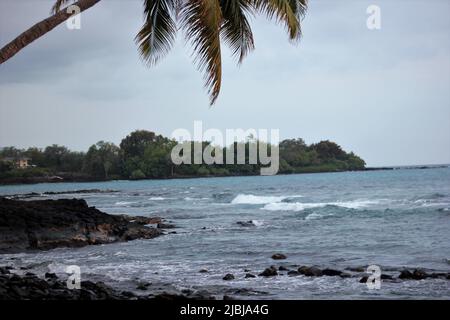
(202, 20)
(288, 11)
(236, 30)
(157, 35)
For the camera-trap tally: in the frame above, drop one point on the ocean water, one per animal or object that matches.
(393, 219)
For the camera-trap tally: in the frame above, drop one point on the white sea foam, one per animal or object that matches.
(300, 206)
(252, 199)
(157, 198)
(257, 223)
(123, 203)
(315, 215)
(294, 206)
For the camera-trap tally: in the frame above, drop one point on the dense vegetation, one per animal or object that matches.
(143, 154)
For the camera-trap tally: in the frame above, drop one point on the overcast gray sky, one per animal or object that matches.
(383, 94)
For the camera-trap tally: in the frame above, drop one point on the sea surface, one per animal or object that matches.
(393, 219)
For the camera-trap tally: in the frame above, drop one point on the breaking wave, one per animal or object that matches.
(300, 206)
(252, 199)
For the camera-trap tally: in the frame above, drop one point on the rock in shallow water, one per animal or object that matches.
(310, 271)
(47, 224)
(269, 272)
(278, 256)
(331, 272)
(228, 276)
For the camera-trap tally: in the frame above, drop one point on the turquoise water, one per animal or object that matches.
(393, 219)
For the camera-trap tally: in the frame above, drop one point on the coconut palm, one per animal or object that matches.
(205, 23)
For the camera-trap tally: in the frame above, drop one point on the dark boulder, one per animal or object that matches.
(47, 224)
(278, 256)
(363, 279)
(165, 226)
(283, 268)
(228, 276)
(249, 275)
(293, 273)
(310, 271)
(331, 272)
(49, 275)
(269, 272)
(417, 274)
(405, 274)
(249, 223)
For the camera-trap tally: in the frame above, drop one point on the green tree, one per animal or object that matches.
(205, 23)
(54, 155)
(134, 144)
(10, 152)
(102, 160)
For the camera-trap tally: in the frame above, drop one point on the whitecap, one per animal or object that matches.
(156, 198)
(252, 199)
(123, 203)
(314, 216)
(293, 206)
(300, 206)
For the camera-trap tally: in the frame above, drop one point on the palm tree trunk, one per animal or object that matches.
(39, 29)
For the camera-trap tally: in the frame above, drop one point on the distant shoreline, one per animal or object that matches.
(69, 179)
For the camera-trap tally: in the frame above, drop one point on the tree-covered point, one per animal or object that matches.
(145, 155)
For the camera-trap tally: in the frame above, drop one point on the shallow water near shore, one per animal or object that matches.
(394, 219)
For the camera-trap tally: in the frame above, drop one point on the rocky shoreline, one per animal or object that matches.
(48, 224)
(31, 287)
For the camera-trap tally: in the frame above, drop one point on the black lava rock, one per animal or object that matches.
(228, 276)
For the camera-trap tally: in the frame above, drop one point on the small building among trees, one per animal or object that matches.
(18, 162)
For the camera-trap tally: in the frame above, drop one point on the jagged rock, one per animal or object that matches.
(278, 256)
(49, 275)
(356, 269)
(310, 271)
(269, 272)
(331, 272)
(363, 279)
(47, 224)
(249, 223)
(417, 274)
(228, 276)
(405, 274)
(162, 225)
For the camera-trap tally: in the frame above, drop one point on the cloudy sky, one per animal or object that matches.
(383, 94)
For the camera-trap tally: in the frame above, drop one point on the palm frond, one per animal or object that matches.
(202, 20)
(290, 12)
(236, 30)
(157, 35)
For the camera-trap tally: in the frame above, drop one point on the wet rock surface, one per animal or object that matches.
(31, 287)
(269, 272)
(278, 256)
(47, 224)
